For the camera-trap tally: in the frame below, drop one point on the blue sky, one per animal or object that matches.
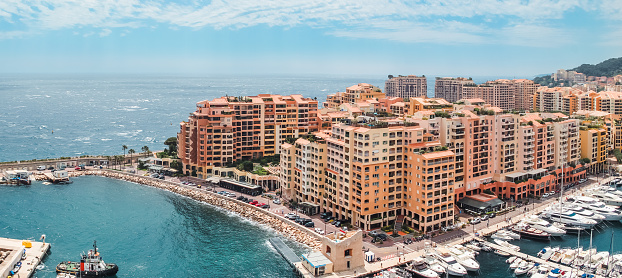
(368, 37)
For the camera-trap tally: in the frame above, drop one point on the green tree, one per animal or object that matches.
(145, 149)
(124, 148)
(131, 152)
(171, 142)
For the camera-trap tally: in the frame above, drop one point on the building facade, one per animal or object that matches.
(406, 86)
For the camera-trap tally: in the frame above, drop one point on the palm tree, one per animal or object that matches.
(131, 151)
(108, 161)
(124, 148)
(145, 149)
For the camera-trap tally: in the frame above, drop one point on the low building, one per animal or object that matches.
(340, 251)
(481, 203)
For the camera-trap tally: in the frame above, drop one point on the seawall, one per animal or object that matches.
(282, 225)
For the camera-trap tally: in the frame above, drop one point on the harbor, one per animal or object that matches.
(20, 258)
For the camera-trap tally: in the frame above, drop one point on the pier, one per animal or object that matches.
(285, 251)
(11, 251)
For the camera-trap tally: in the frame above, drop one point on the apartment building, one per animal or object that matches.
(424, 104)
(353, 94)
(406, 86)
(229, 129)
(563, 99)
(450, 88)
(594, 146)
(524, 91)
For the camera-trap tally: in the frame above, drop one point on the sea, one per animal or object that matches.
(150, 232)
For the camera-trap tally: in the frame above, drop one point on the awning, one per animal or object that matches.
(316, 259)
(482, 205)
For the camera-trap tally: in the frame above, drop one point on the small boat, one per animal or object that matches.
(510, 259)
(40, 266)
(90, 265)
(568, 257)
(453, 267)
(547, 252)
(435, 264)
(473, 247)
(515, 263)
(502, 253)
(556, 273)
(24, 255)
(507, 245)
(420, 269)
(467, 262)
(541, 271)
(557, 255)
(16, 268)
(523, 269)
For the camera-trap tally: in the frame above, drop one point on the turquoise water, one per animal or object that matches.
(146, 231)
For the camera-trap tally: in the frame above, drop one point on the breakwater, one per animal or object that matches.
(282, 225)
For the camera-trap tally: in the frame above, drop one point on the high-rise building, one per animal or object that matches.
(406, 86)
(450, 88)
(229, 129)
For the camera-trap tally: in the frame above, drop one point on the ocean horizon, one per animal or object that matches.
(61, 115)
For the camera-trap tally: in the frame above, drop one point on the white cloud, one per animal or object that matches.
(105, 32)
(448, 21)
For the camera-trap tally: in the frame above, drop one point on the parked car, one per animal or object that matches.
(310, 224)
(382, 236)
(319, 231)
(40, 168)
(373, 233)
(484, 218)
(290, 215)
(327, 219)
(254, 202)
(50, 168)
(277, 201)
(265, 206)
(337, 223)
(325, 215)
(476, 220)
(240, 198)
(492, 215)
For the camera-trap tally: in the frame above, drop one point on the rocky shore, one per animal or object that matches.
(280, 224)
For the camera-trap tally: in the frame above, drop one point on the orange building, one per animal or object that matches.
(229, 129)
(354, 94)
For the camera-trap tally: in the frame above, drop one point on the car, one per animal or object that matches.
(373, 233)
(336, 223)
(492, 215)
(310, 224)
(382, 236)
(40, 168)
(231, 195)
(291, 216)
(325, 214)
(485, 217)
(319, 231)
(277, 201)
(265, 206)
(476, 220)
(327, 219)
(253, 202)
(50, 168)
(240, 198)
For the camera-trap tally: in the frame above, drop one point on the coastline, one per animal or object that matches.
(278, 223)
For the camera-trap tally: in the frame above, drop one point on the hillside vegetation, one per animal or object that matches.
(609, 68)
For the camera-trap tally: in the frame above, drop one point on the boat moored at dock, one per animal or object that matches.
(90, 265)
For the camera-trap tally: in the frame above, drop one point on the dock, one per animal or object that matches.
(535, 259)
(285, 251)
(11, 251)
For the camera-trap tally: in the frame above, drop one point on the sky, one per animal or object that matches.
(518, 38)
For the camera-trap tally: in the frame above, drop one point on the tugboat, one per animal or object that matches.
(90, 265)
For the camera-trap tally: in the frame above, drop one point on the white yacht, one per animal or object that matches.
(524, 268)
(569, 217)
(544, 225)
(542, 271)
(420, 269)
(507, 245)
(611, 190)
(453, 267)
(609, 212)
(585, 212)
(467, 262)
(569, 257)
(607, 198)
(435, 264)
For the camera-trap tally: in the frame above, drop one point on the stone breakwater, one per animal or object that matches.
(284, 226)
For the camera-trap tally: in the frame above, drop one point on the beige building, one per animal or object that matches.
(340, 251)
(353, 94)
(450, 88)
(406, 86)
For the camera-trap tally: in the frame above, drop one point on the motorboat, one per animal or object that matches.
(529, 232)
(502, 253)
(507, 245)
(596, 260)
(505, 235)
(568, 217)
(542, 271)
(458, 250)
(607, 198)
(609, 212)
(568, 257)
(453, 267)
(515, 263)
(544, 225)
(467, 262)
(420, 269)
(523, 269)
(556, 273)
(435, 265)
(510, 260)
(473, 247)
(583, 256)
(547, 252)
(557, 255)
